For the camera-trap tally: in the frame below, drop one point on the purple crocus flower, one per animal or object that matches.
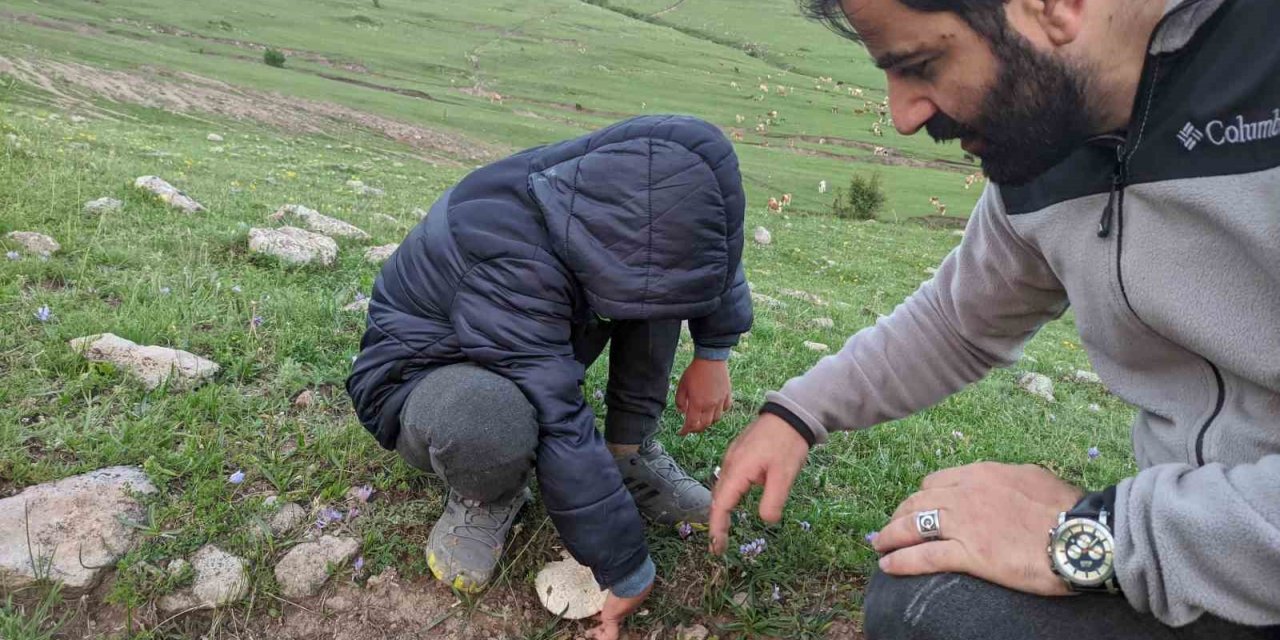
(237, 477)
(598, 394)
(871, 537)
(685, 530)
(13, 255)
(256, 322)
(958, 435)
(777, 594)
(360, 297)
(364, 493)
(330, 514)
(359, 564)
(754, 548)
(43, 313)
(805, 526)
(1094, 453)
(353, 513)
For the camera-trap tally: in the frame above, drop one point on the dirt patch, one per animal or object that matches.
(74, 83)
(891, 159)
(51, 23)
(942, 222)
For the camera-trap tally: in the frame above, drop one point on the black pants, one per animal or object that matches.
(475, 430)
(958, 607)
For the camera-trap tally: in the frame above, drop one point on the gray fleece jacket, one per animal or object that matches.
(1166, 241)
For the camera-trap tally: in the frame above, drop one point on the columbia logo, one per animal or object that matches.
(1190, 136)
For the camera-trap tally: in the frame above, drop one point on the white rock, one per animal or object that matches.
(35, 243)
(287, 518)
(762, 299)
(363, 189)
(305, 568)
(213, 137)
(692, 632)
(933, 271)
(1086, 377)
(816, 346)
(76, 528)
(221, 579)
(824, 323)
(168, 194)
(304, 399)
(421, 213)
(103, 205)
(152, 365)
(803, 295)
(382, 217)
(361, 306)
(320, 223)
(379, 254)
(177, 566)
(568, 589)
(1037, 384)
(763, 236)
(959, 233)
(293, 245)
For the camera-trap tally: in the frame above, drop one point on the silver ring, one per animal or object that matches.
(929, 524)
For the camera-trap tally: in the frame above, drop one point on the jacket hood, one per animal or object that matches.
(647, 214)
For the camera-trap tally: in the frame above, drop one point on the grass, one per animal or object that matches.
(156, 276)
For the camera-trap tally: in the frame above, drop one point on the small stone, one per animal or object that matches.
(740, 599)
(213, 137)
(361, 306)
(35, 243)
(816, 346)
(569, 590)
(271, 501)
(421, 213)
(339, 604)
(168, 194)
(304, 399)
(288, 518)
(762, 236)
(379, 254)
(933, 271)
(824, 323)
(388, 579)
(1037, 384)
(293, 246)
(762, 299)
(74, 529)
(177, 566)
(364, 190)
(803, 295)
(221, 579)
(1095, 408)
(102, 205)
(959, 233)
(320, 223)
(692, 632)
(304, 570)
(152, 365)
(1085, 377)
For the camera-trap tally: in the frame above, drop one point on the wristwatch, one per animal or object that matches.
(1082, 550)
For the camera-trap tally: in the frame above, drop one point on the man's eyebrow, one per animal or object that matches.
(897, 58)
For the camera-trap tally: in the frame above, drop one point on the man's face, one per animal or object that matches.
(1020, 109)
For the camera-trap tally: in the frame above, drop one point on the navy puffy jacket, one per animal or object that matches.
(640, 220)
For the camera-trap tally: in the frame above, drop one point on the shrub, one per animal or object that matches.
(273, 57)
(861, 201)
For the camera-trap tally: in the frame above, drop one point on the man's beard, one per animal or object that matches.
(1033, 117)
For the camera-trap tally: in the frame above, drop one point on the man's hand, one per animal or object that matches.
(994, 520)
(615, 611)
(770, 453)
(704, 394)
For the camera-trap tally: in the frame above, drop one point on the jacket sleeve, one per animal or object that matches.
(512, 316)
(990, 295)
(721, 329)
(1201, 540)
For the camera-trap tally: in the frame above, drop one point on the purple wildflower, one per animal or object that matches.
(353, 513)
(360, 297)
(685, 530)
(754, 548)
(1094, 453)
(43, 313)
(329, 514)
(237, 477)
(359, 564)
(958, 435)
(777, 594)
(321, 523)
(599, 395)
(805, 526)
(364, 493)
(871, 537)
(256, 322)
(13, 255)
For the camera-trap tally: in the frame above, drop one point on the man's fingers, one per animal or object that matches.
(682, 400)
(926, 499)
(901, 532)
(777, 487)
(728, 492)
(939, 556)
(728, 402)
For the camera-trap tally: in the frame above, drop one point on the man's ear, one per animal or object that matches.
(1062, 20)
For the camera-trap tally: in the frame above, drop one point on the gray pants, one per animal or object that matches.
(958, 607)
(475, 430)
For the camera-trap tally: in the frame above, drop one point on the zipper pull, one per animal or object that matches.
(1104, 224)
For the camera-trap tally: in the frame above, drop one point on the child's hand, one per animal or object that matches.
(615, 611)
(704, 394)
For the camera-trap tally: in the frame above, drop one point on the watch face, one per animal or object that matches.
(1084, 552)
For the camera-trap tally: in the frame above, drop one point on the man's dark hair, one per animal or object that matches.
(984, 16)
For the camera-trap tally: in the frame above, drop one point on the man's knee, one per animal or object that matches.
(479, 432)
(944, 605)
